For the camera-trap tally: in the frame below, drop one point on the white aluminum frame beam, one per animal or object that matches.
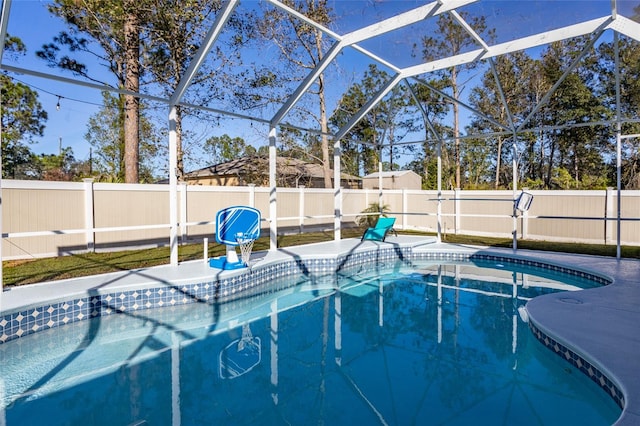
(469, 30)
(540, 39)
(4, 20)
(350, 39)
(588, 27)
(626, 26)
(503, 98)
(564, 75)
(200, 56)
(457, 101)
(368, 106)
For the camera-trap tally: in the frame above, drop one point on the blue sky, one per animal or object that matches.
(512, 19)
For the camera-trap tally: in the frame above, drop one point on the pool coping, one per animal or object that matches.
(595, 328)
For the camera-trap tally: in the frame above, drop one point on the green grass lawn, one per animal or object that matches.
(22, 272)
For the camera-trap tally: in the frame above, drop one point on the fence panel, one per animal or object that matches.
(51, 207)
(568, 216)
(486, 213)
(130, 205)
(203, 202)
(422, 210)
(52, 218)
(630, 208)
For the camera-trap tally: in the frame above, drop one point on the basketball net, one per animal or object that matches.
(246, 245)
(247, 337)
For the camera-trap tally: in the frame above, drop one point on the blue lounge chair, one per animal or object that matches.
(379, 232)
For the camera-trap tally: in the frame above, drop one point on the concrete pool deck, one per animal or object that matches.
(602, 325)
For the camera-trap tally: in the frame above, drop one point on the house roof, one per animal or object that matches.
(260, 165)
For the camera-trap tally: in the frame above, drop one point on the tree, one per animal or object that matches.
(22, 119)
(358, 145)
(514, 71)
(131, 30)
(434, 109)
(302, 46)
(579, 150)
(105, 132)
(175, 31)
(452, 39)
(385, 124)
(62, 167)
(115, 26)
(629, 51)
(225, 148)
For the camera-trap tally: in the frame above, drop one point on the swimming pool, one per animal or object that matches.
(399, 343)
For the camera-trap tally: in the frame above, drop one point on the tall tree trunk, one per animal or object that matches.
(552, 153)
(326, 164)
(456, 124)
(132, 84)
(391, 138)
(576, 162)
(179, 150)
(541, 168)
(498, 162)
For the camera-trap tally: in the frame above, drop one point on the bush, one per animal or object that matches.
(369, 220)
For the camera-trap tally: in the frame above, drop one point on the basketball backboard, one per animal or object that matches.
(523, 202)
(237, 221)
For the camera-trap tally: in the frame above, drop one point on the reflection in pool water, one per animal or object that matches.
(430, 344)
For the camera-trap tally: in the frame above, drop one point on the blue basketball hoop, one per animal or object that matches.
(236, 226)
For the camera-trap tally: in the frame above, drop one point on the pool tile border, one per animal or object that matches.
(581, 364)
(254, 281)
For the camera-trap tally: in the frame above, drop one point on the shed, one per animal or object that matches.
(397, 179)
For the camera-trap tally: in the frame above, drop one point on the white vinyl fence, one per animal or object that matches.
(41, 219)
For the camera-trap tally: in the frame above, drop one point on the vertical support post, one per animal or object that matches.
(381, 303)
(205, 249)
(252, 195)
(337, 188)
(525, 224)
(440, 301)
(514, 166)
(618, 145)
(405, 204)
(618, 191)
(175, 379)
(301, 208)
(609, 211)
(439, 178)
(380, 201)
(183, 213)
(514, 314)
(337, 327)
(274, 350)
(1, 230)
(273, 211)
(4, 21)
(173, 187)
(456, 222)
(89, 219)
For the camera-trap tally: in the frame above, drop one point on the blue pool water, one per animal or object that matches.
(430, 344)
